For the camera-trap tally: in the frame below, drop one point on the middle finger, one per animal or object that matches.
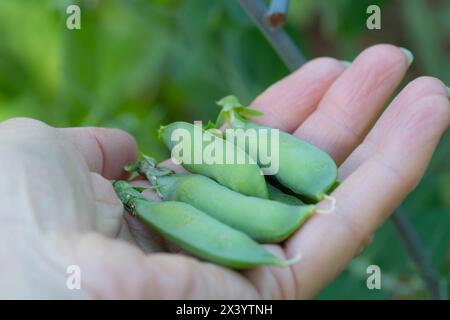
(352, 104)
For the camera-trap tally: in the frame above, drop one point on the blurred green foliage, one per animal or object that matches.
(137, 64)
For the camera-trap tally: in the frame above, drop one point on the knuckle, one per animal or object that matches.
(407, 181)
(356, 230)
(20, 132)
(21, 122)
(328, 63)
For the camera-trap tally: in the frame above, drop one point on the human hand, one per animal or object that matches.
(58, 213)
(380, 163)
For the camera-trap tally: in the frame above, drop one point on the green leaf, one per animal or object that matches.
(222, 119)
(139, 189)
(229, 102)
(209, 125)
(249, 112)
(216, 132)
(131, 167)
(133, 175)
(149, 160)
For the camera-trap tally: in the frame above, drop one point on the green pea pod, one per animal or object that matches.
(303, 168)
(262, 219)
(196, 232)
(278, 195)
(244, 176)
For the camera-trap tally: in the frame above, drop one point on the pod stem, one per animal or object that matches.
(332, 205)
(161, 132)
(293, 260)
(233, 112)
(128, 195)
(148, 167)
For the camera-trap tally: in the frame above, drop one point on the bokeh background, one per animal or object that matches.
(137, 64)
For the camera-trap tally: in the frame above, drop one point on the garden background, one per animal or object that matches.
(138, 64)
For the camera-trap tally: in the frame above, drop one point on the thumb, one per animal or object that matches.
(108, 208)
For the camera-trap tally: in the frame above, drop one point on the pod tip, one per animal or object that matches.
(292, 261)
(161, 131)
(332, 206)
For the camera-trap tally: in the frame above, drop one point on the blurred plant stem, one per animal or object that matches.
(293, 58)
(277, 37)
(277, 13)
(416, 250)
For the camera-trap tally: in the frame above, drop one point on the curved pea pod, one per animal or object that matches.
(303, 168)
(262, 219)
(233, 167)
(197, 232)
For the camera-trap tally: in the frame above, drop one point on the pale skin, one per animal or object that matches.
(59, 209)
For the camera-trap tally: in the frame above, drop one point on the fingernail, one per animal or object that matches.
(345, 63)
(408, 54)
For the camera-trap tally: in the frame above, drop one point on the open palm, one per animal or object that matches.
(69, 214)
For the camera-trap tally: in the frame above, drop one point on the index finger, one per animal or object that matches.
(288, 102)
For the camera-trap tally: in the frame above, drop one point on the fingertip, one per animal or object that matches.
(383, 56)
(437, 106)
(441, 108)
(326, 64)
(417, 89)
(420, 125)
(427, 85)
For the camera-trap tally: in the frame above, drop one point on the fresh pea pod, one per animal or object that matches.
(303, 168)
(262, 219)
(241, 174)
(278, 195)
(196, 232)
